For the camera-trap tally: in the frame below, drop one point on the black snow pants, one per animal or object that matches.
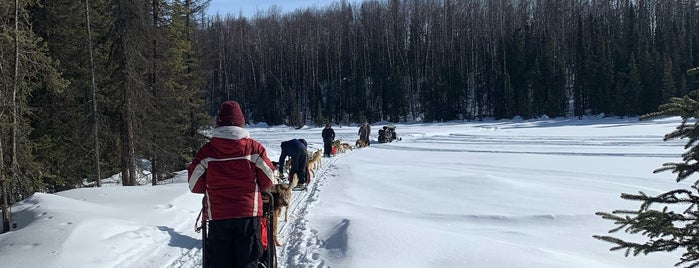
(327, 147)
(235, 242)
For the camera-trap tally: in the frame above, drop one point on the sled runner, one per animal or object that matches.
(269, 255)
(300, 187)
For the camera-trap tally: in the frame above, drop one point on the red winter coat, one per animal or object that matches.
(231, 170)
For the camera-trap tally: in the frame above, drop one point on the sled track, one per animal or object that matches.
(294, 250)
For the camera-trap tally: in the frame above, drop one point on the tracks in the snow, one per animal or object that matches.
(291, 233)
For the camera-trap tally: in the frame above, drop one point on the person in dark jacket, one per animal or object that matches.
(297, 150)
(382, 135)
(328, 138)
(364, 132)
(232, 170)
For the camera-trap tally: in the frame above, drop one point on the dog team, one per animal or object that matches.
(301, 166)
(232, 170)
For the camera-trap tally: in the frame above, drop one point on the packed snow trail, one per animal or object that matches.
(293, 232)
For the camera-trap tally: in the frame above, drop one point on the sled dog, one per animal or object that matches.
(315, 161)
(337, 144)
(361, 144)
(282, 199)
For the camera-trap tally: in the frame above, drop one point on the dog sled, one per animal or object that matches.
(387, 134)
(269, 254)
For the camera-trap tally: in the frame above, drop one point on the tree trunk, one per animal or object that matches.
(4, 185)
(15, 89)
(154, 86)
(128, 154)
(95, 129)
(6, 213)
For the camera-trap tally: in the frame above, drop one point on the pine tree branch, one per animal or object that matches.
(666, 229)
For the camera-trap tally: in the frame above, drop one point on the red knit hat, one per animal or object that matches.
(230, 114)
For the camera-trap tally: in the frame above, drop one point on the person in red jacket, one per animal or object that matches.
(232, 170)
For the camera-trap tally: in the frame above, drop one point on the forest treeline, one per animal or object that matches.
(453, 59)
(93, 88)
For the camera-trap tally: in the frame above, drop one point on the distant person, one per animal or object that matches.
(297, 150)
(393, 132)
(382, 134)
(232, 170)
(364, 132)
(328, 138)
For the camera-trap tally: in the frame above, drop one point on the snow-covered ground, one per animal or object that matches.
(458, 194)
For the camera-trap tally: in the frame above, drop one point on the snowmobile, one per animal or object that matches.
(387, 134)
(269, 254)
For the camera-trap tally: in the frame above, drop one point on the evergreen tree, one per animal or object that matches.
(652, 89)
(174, 84)
(582, 70)
(603, 70)
(25, 69)
(516, 73)
(130, 34)
(62, 120)
(632, 89)
(667, 229)
(669, 87)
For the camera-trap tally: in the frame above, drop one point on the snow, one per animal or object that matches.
(510, 193)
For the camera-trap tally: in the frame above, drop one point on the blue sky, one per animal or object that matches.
(248, 8)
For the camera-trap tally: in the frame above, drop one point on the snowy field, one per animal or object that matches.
(458, 194)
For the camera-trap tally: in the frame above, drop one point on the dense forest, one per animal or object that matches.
(99, 87)
(443, 60)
